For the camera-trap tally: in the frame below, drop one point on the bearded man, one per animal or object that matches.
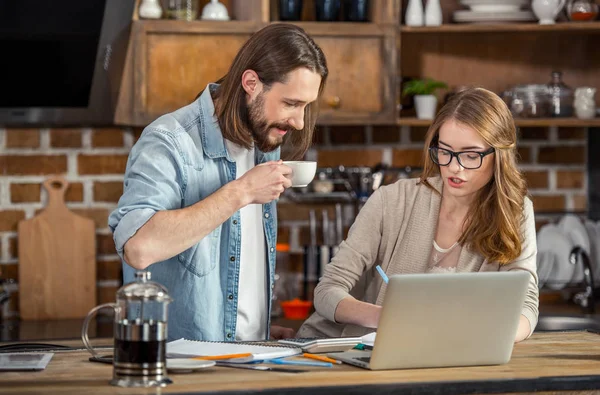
(198, 208)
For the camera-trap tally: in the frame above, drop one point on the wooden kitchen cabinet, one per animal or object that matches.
(170, 62)
(361, 84)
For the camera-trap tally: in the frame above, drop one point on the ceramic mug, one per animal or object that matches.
(303, 172)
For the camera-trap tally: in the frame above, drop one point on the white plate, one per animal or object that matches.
(183, 365)
(516, 16)
(545, 265)
(573, 228)
(551, 239)
(594, 249)
(495, 8)
(513, 3)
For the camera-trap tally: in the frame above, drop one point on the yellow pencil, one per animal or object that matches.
(321, 358)
(227, 356)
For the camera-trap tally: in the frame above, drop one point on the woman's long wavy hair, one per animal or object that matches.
(272, 53)
(493, 223)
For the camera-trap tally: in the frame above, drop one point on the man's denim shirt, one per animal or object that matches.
(179, 160)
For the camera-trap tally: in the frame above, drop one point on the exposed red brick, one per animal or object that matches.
(137, 132)
(570, 179)
(10, 271)
(109, 270)
(283, 234)
(580, 202)
(107, 137)
(539, 223)
(108, 191)
(13, 247)
(547, 204)
(562, 155)
(334, 158)
(22, 138)
(386, 134)
(417, 133)
(74, 192)
(105, 245)
(106, 294)
(572, 133)
(529, 133)
(32, 164)
(347, 134)
(65, 138)
(407, 157)
(25, 193)
(536, 179)
(101, 164)
(524, 154)
(99, 215)
(9, 219)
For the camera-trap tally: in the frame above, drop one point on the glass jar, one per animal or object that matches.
(561, 97)
(582, 10)
(183, 10)
(530, 101)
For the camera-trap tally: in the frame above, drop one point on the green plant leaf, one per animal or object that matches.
(422, 87)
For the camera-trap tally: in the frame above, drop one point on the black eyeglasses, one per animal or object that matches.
(468, 159)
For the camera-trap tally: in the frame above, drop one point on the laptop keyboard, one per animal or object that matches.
(363, 359)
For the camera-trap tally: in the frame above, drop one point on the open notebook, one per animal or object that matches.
(183, 348)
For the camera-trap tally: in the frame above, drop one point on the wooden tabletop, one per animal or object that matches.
(546, 362)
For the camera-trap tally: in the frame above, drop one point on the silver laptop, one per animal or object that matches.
(441, 320)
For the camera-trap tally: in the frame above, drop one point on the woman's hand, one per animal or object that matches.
(352, 311)
(523, 330)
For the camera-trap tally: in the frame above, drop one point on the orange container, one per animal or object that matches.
(296, 309)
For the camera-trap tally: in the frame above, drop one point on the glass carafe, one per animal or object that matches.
(582, 10)
(140, 333)
(561, 97)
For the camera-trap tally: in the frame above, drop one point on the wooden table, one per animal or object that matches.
(549, 362)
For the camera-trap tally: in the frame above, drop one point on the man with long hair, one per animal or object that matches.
(198, 207)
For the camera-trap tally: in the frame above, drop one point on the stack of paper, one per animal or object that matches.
(183, 348)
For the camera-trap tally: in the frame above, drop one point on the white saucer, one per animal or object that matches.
(551, 239)
(575, 230)
(184, 365)
(513, 16)
(494, 5)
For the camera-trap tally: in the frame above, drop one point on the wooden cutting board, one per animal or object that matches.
(57, 260)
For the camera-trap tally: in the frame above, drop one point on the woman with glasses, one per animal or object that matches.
(468, 212)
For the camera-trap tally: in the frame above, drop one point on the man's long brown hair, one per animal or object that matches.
(493, 223)
(272, 52)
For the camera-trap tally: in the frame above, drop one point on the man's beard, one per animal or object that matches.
(261, 128)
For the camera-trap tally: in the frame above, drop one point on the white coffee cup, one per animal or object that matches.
(303, 172)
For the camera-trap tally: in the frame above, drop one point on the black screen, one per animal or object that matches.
(48, 51)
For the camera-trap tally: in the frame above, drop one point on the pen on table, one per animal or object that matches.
(226, 356)
(321, 358)
(301, 363)
(382, 273)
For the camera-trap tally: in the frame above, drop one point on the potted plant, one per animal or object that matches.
(425, 100)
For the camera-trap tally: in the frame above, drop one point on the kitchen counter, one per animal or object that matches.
(567, 361)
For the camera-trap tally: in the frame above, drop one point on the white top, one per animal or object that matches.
(252, 286)
(444, 260)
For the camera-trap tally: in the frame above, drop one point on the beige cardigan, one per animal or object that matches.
(395, 229)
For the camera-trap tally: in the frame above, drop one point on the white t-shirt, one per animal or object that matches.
(252, 287)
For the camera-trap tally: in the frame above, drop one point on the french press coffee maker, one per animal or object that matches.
(140, 333)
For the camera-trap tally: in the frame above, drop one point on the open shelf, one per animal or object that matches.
(564, 27)
(531, 122)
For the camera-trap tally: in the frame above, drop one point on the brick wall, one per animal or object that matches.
(93, 161)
